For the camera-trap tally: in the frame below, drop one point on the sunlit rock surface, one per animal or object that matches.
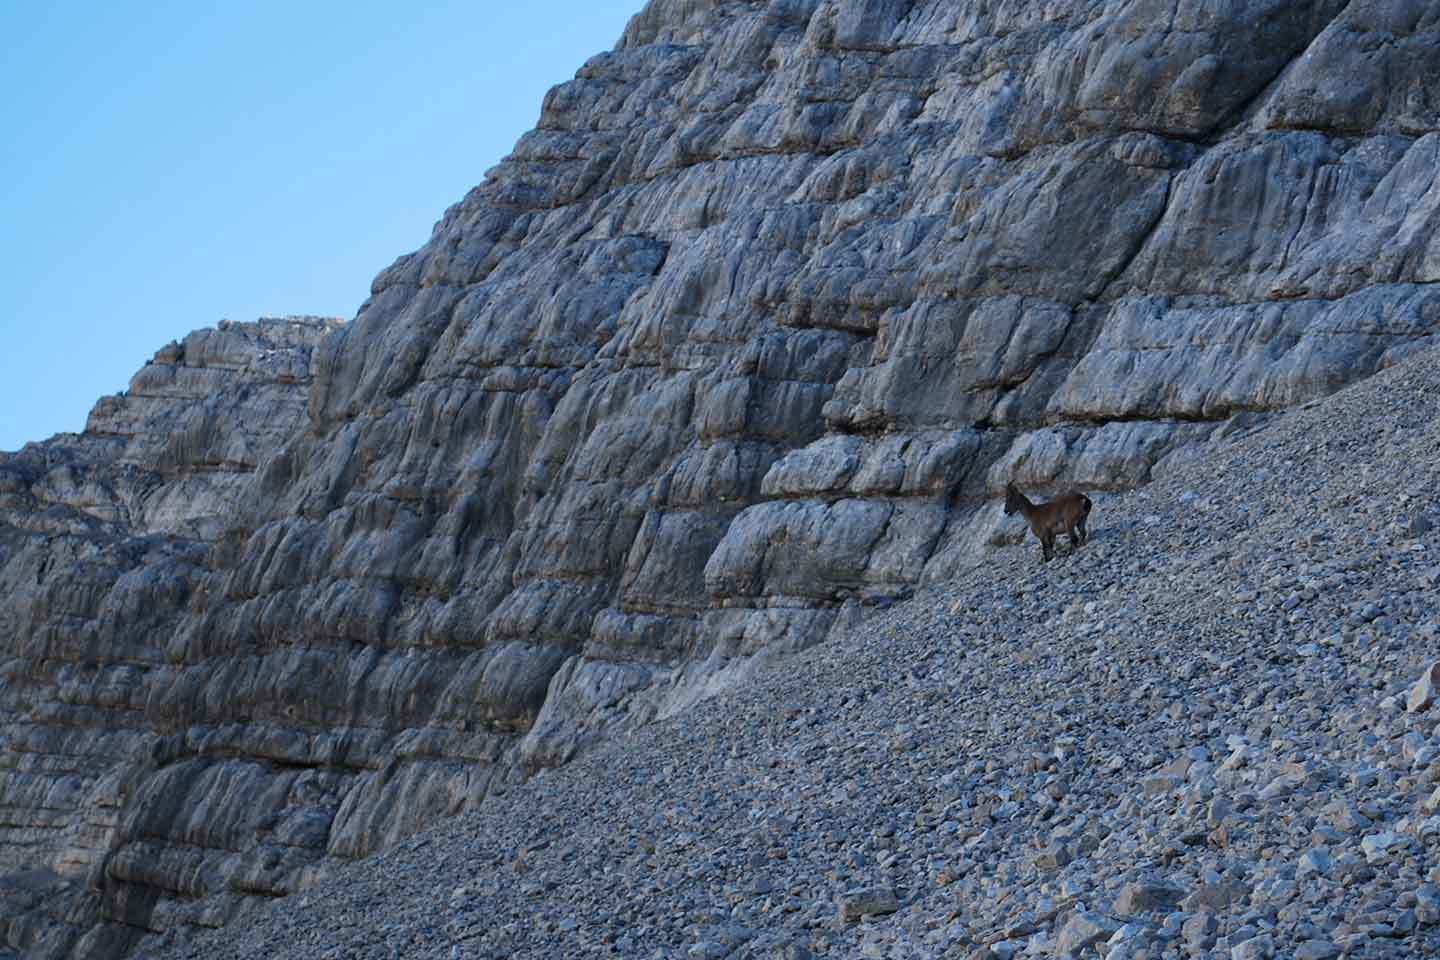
(744, 338)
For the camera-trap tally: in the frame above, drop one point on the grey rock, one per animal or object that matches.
(1082, 930)
(1427, 905)
(1422, 693)
(1199, 930)
(103, 543)
(1379, 846)
(736, 348)
(1261, 947)
(1214, 897)
(1314, 862)
(866, 902)
(880, 759)
(1279, 787)
(1143, 897)
(1347, 817)
(1053, 857)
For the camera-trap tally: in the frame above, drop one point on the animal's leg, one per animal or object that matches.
(1047, 545)
(1075, 537)
(1084, 534)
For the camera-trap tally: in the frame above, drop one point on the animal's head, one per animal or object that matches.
(1012, 498)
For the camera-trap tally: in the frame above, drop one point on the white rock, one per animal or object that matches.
(1256, 948)
(1082, 930)
(1315, 862)
(1377, 846)
(1422, 694)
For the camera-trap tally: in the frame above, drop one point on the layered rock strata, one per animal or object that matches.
(743, 338)
(104, 539)
(1209, 733)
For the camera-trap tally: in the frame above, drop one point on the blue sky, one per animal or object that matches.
(166, 165)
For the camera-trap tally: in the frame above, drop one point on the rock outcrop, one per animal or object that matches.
(744, 338)
(104, 539)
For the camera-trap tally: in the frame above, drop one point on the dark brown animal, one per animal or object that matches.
(1065, 514)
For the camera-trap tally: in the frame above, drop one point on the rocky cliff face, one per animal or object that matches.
(1210, 734)
(104, 542)
(743, 338)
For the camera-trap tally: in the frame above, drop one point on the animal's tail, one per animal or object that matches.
(1085, 500)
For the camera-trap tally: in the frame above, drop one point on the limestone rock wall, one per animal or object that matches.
(745, 336)
(104, 542)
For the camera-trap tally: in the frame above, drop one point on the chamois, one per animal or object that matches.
(1065, 514)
